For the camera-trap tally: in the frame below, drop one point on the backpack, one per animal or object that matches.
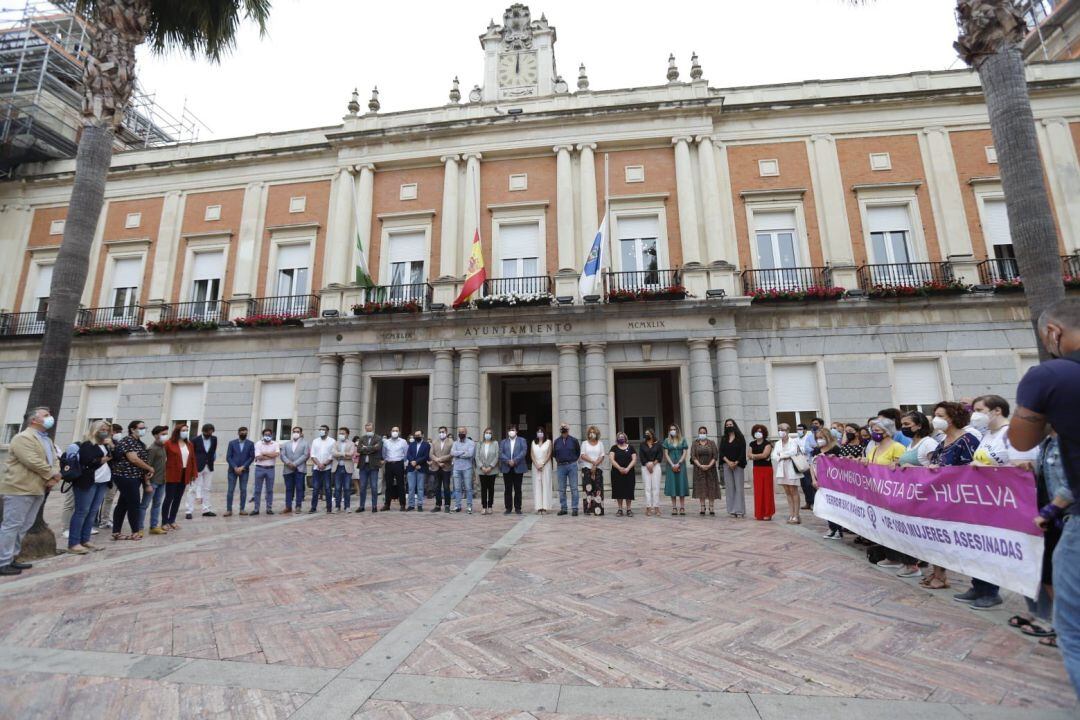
(70, 467)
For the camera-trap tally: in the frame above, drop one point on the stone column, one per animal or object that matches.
(165, 248)
(350, 400)
(468, 403)
(326, 400)
(88, 299)
(570, 389)
(448, 233)
(727, 374)
(710, 194)
(684, 180)
(702, 399)
(339, 234)
(564, 206)
(947, 203)
(590, 223)
(1063, 176)
(245, 279)
(442, 389)
(471, 221)
(15, 221)
(365, 189)
(596, 389)
(830, 203)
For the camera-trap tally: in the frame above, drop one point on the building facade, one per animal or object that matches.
(734, 215)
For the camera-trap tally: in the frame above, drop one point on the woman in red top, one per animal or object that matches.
(179, 471)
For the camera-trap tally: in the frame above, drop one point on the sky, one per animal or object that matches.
(301, 74)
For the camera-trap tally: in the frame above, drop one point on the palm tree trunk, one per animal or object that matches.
(991, 31)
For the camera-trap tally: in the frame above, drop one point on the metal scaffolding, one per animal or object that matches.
(42, 51)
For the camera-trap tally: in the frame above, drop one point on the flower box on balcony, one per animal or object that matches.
(1072, 282)
(377, 308)
(505, 300)
(672, 292)
(933, 287)
(1010, 285)
(267, 321)
(181, 325)
(814, 292)
(103, 330)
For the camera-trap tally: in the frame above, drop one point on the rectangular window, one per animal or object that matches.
(42, 288)
(918, 385)
(890, 232)
(276, 407)
(206, 273)
(13, 413)
(125, 286)
(637, 247)
(777, 249)
(293, 262)
(995, 223)
(405, 262)
(795, 388)
(185, 406)
(100, 403)
(519, 255)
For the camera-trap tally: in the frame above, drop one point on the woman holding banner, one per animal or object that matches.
(826, 445)
(883, 450)
(785, 470)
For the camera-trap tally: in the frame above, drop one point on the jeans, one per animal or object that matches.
(808, 488)
(442, 488)
(567, 475)
(233, 477)
(173, 493)
(87, 504)
(1066, 597)
(20, 511)
(512, 491)
(369, 478)
(128, 504)
(294, 489)
(487, 491)
(984, 588)
(414, 490)
(153, 501)
(321, 484)
(342, 487)
(463, 483)
(264, 478)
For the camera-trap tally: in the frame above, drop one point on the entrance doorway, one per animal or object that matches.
(401, 401)
(646, 400)
(522, 400)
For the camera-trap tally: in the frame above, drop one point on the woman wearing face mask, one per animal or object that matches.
(487, 461)
(89, 490)
(760, 454)
(916, 427)
(650, 455)
(733, 453)
(592, 476)
(131, 472)
(785, 472)
(676, 485)
(623, 478)
(883, 450)
(540, 459)
(704, 457)
(826, 445)
(179, 472)
(864, 437)
(850, 447)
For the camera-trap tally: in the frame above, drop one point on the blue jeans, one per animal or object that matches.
(567, 476)
(1067, 598)
(984, 588)
(155, 496)
(264, 477)
(87, 504)
(463, 482)
(233, 477)
(342, 487)
(294, 488)
(321, 484)
(414, 488)
(369, 478)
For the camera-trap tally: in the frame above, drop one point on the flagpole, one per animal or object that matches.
(607, 202)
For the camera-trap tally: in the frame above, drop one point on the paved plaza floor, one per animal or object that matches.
(399, 615)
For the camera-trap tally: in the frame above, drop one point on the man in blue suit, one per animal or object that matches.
(513, 452)
(205, 455)
(240, 456)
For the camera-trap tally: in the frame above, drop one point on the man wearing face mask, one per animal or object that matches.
(395, 448)
(416, 467)
(441, 461)
(809, 448)
(567, 450)
(294, 456)
(343, 453)
(32, 467)
(240, 455)
(513, 458)
(1050, 394)
(267, 451)
(105, 513)
(463, 451)
(322, 455)
(370, 451)
(205, 454)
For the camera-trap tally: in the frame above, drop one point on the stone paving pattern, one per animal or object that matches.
(692, 604)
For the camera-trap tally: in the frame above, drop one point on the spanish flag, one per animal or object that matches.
(475, 274)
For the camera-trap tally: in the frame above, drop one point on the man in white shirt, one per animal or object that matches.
(322, 455)
(395, 448)
(205, 454)
(266, 454)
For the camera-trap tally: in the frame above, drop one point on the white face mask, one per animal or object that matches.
(702, 436)
(802, 433)
(822, 442)
(442, 436)
(758, 436)
(487, 436)
(671, 433)
(940, 424)
(322, 433)
(394, 433)
(782, 433)
(183, 434)
(980, 421)
(539, 436)
(296, 436)
(512, 433)
(369, 433)
(163, 438)
(142, 432)
(267, 438)
(342, 438)
(119, 436)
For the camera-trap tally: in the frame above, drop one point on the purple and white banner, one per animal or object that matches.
(978, 521)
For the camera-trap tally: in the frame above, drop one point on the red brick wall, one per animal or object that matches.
(659, 164)
(386, 194)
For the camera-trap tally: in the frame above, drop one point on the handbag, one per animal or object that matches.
(800, 461)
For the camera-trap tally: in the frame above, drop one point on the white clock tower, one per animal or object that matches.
(519, 56)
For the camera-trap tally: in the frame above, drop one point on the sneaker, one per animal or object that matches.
(158, 531)
(437, 508)
(252, 513)
(970, 596)
(188, 516)
(93, 531)
(228, 513)
(66, 533)
(457, 509)
(987, 602)
(359, 509)
(561, 512)
(831, 535)
(409, 509)
(506, 512)
(469, 510)
(9, 570)
(909, 573)
(886, 563)
(269, 511)
(209, 513)
(574, 513)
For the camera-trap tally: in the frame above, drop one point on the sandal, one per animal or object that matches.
(701, 513)
(937, 584)
(925, 582)
(629, 512)
(1049, 641)
(1018, 622)
(682, 511)
(134, 536)
(619, 514)
(1033, 630)
(117, 536)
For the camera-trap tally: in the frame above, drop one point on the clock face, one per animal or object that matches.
(517, 69)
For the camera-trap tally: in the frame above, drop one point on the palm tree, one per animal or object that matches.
(115, 29)
(990, 35)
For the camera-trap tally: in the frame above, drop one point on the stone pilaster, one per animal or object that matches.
(596, 389)
(449, 238)
(339, 234)
(590, 222)
(167, 242)
(564, 207)
(728, 381)
(349, 399)
(326, 399)
(468, 385)
(710, 194)
(247, 263)
(365, 190)
(688, 224)
(702, 399)
(15, 221)
(947, 203)
(1063, 177)
(471, 221)
(442, 389)
(570, 389)
(829, 197)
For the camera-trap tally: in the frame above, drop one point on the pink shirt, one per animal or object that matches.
(262, 449)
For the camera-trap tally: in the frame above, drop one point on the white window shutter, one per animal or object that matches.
(765, 221)
(186, 402)
(890, 218)
(276, 399)
(44, 281)
(796, 387)
(127, 273)
(16, 406)
(917, 382)
(631, 228)
(519, 240)
(208, 265)
(996, 222)
(101, 401)
(293, 256)
(406, 247)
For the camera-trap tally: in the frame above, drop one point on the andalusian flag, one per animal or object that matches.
(475, 274)
(363, 277)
